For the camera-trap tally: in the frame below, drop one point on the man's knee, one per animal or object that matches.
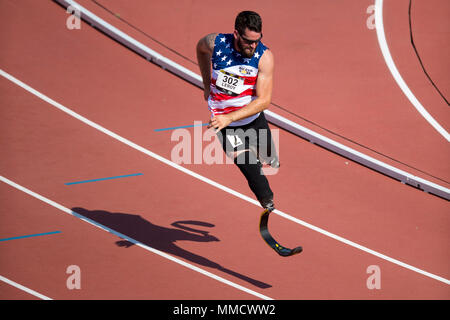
(251, 168)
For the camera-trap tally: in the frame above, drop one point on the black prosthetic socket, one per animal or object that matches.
(257, 181)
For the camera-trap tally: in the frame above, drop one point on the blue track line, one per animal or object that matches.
(181, 127)
(102, 179)
(31, 235)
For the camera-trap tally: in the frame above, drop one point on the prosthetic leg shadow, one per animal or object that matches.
(161, 238)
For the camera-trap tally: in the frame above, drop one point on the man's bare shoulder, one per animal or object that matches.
(211, 39)
(207, 42)
(267, 60)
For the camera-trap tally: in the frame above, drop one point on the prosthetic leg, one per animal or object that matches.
(251, 168)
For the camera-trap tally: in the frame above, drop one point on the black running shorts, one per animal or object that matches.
(255, 136)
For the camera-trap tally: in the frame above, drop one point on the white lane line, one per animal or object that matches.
(396, 74)
(23, 288)
(215, 184)
(123, 236)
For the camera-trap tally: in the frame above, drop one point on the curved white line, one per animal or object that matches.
(398, 78)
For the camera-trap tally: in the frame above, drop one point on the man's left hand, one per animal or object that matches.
(220, 121)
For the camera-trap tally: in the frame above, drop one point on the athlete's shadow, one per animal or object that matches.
(161, 238)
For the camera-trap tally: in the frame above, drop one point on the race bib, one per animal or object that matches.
(234, 140)
(230, 83)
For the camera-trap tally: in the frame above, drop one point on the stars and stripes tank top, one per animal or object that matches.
(233, 78)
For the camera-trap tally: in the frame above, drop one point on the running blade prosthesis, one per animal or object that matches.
(263, 229)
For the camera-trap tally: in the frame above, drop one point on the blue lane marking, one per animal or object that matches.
(180, 127)
(31, 235)
(102, 179)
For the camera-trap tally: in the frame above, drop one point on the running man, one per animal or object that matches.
(238, 89)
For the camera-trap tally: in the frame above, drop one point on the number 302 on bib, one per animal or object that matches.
(230, 83)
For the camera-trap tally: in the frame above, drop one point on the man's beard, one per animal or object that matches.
(244, 52)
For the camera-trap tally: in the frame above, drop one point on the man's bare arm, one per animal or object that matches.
(205, 47)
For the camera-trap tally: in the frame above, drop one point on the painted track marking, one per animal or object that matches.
(23, 288)
(396, 74)
(30, 236)
(103, 179)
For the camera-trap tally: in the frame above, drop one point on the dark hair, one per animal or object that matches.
(248, 19)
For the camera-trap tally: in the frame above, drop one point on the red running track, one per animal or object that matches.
(104, 82)
(328, 65)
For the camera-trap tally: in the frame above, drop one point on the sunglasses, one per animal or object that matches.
(248, 41)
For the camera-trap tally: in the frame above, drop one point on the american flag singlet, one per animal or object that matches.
(233, 78)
